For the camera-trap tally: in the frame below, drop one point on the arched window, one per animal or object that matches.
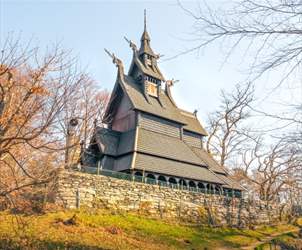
(172, 180)
(151, 176)
(162, 178)
(201, 187)
(138, 174)
(151, 179)
(192, 184)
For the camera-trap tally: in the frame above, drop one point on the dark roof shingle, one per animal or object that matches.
(230, 183)
(174, 168)
(166, 146)
(192, 123)
(139, 102)
(209, 160)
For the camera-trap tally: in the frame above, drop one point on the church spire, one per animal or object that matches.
(144, 62)
(145, 40)
(145, 20)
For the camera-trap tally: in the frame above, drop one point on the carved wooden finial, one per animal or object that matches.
(118, 63)
(171, 82)
(115, 60)
(131, 44)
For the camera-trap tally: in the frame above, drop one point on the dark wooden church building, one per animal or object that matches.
(146, 134)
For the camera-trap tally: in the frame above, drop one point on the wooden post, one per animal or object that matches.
(98, 168)
(78, 198)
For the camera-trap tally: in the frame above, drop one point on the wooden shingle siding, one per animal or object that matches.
(124, 119)
(108, 162)
(126, 143)
(192, 139)
(159, 125)
(123, 162)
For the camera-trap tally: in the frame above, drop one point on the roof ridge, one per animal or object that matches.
(195, 153)
(187, 113)
(208, 167)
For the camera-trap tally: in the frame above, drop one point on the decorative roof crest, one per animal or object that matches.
(119, 64)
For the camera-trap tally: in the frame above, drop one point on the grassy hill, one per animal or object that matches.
(80, 229)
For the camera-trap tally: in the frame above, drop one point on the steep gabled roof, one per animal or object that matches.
(161, 145)
(192, 123)
(145, 40)
(230, 183)
(154, 72)
(150, 151)
(174, 168)
(209, 160)
(165, 109)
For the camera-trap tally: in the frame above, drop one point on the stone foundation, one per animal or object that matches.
(75, 189)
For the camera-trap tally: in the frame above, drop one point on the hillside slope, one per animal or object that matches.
(103, 230)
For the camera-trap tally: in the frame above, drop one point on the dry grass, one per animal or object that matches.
(103, 230)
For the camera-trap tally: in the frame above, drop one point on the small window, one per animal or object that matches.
(152, 89)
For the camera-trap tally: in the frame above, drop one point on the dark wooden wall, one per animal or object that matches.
(159, 125)
(192, 139)
(124, 119)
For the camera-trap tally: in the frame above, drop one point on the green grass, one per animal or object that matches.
(290, 241)
(103, 230)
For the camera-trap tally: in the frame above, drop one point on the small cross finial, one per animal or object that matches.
(145, 20)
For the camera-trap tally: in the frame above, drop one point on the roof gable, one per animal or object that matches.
(192, 123)
(165, 108)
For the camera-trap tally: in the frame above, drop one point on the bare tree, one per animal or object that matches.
(266, 33)
(86, 106)
(270, 173)
(227, 133)
(36, 89)
(270, 30)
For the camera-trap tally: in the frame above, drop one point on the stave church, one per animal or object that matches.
(147, 134)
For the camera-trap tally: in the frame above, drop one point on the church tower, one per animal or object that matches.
(148, 135)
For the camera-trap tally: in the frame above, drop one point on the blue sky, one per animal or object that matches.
(87, 27)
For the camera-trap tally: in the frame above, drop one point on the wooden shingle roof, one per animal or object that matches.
(155, 71)
(230, 183)
(161, 153)
(192, 123)
(161, 145)
(167, 110)
(174, 168)
(209, 160)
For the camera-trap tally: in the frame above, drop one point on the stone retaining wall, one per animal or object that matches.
(75, 189)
